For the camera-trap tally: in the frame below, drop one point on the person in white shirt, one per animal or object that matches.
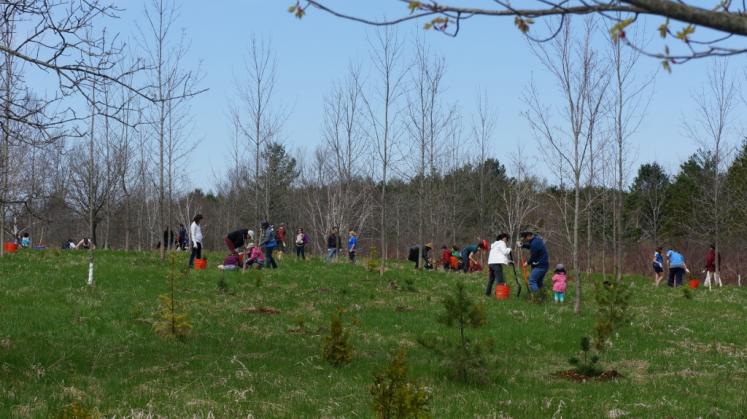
(497, 258)
(195, 235)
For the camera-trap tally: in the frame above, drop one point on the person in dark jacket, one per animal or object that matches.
(711, 268)
(539, 260)
(269, 243)
(334, 244)
(181, 238)
(236, 239)
(412, 256)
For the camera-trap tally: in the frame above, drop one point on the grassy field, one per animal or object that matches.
(63, 342)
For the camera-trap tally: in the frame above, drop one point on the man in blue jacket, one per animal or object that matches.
(539, 260)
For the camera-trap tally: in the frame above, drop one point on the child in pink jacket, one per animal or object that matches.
(559, 280)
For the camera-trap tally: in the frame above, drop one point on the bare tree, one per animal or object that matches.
(258, 119)
(574, 66)
(711, 128)
(630, 99)
(169, 84)
(380, 104)
(425, 122)
(483, 126)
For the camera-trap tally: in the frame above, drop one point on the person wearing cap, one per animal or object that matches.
(497, 258)
(269, 244)
(559, 283)
(237, 239)
(539, 260)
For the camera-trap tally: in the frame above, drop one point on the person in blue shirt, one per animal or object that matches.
(26, 240)
(658, 264)
(469, 253)
(677, 268)
(352, 245)
(539, 260)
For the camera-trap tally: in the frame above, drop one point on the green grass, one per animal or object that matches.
(61, 341)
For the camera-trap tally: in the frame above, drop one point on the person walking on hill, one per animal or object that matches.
(539, 260)
(352, 245)
(658, 265)
(677, 268)
(269, 243)
(497, 259)
(333, 244)
(195, 235)
(302, 239)
(711, 269)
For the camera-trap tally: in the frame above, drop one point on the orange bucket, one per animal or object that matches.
(200, 264)
(694, 283)
(11, 247)
(501, 292)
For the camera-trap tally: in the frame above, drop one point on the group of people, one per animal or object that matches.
(244, 250)
(24, 241)
(678, 268)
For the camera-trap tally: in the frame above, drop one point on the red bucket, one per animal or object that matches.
(11, 247)
(501, 292)
(200, 264)
(694, 283)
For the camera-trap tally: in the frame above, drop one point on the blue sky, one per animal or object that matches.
(312, 53)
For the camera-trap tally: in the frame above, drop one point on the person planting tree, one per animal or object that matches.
(195, 235)
(236, 239)
(677, 268)
(539, 260)
(269, 243)
(469, 256)
(497, 259)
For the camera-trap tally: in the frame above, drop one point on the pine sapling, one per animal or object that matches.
(395, 395)
(338, 350)
(172, 322)
(587, 364)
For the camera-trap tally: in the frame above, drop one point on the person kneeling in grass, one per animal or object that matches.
(497, 258)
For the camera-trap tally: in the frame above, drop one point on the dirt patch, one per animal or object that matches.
(404, 309)
(572, 375)
(260, 310)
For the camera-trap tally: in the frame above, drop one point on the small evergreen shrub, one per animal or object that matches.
(374, 263)
(172, 322)
(466, 360)
(338, 350)
(613, 302)
(587, 364)
(395, 395)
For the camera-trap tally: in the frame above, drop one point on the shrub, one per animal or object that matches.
(588, 364)
(394, 395)
(613, 302)
(338, 350)
(172, 322)
(466, 360)
(373, 264)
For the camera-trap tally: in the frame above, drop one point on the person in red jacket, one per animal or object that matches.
(445, 257)
(711, 271)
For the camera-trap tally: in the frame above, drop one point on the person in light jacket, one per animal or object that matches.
(195, 235)
(497, 259)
